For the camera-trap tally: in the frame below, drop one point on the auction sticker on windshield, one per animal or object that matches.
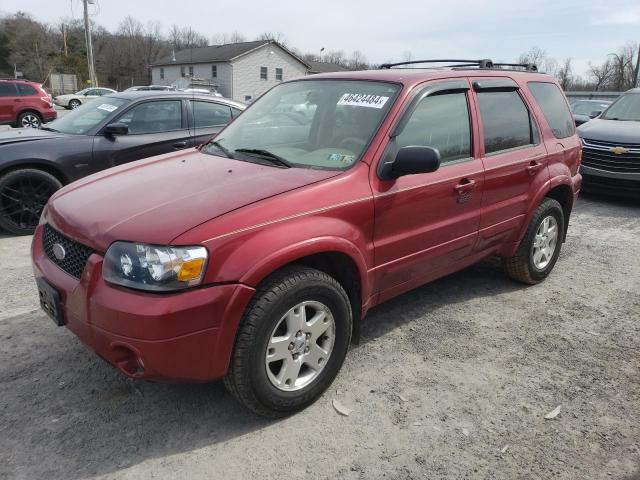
(107, 107)
(363, 100)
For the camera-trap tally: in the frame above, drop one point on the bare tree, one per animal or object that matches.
(277, 37)
(230, 37)
(565, 74)
(358, 61)
(186, 37)
(600, 75)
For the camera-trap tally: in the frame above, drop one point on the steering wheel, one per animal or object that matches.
(356, 142)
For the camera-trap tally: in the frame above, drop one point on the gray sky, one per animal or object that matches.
(500, 29)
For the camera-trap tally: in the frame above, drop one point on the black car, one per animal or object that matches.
(109, 131)
(585, 110)
(611, 148)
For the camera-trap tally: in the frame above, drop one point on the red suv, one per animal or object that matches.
(25, 104)
(255, 257)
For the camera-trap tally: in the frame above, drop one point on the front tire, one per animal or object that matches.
(291, 342)
(73, 104)
(539, 249)
(23, 195)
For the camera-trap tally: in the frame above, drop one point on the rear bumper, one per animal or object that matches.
(180, 337)
(611, 183)
(49, 115)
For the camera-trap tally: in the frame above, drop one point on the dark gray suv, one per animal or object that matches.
(611, 148)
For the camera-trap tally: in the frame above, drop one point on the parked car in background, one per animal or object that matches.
(119, 128)
(255, 257)
(611, 148)
(139, 88)
(25, 104)
(585, 110)
(74, 100)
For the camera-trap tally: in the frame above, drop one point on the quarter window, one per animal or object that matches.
(505, 120)
(279, 74)
(263, 73)
(214, 71)
(154, 117)
(209, 114)
(554, 107)
(442, 122)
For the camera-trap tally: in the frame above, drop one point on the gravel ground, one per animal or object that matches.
(450, 381)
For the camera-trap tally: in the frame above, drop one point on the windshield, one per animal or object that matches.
(627, 107)
(313, 123)
(87, 116)
(585, 108)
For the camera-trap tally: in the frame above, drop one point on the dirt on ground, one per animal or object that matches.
(450, 381)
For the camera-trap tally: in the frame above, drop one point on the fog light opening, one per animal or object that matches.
(128, 361)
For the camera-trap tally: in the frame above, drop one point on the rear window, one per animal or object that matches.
(26, 90)
(8, 89)
(554, 107)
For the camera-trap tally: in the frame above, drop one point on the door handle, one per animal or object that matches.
(533, 167)
(180, 145)
(465, 186)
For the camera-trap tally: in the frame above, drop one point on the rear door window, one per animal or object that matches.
(441, 122)
(26, 90)
(506, 121)
(554, 107)
(209, 114)
(8, 89)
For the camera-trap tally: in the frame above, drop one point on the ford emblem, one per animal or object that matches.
(59, 252)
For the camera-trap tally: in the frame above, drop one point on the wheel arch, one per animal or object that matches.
(37, 164)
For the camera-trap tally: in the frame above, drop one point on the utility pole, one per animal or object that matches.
(64, 40)
(636, 82)
(87, 35)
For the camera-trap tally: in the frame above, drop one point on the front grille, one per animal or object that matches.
(76, 254)
(598, 154)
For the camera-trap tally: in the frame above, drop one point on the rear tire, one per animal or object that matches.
(259, 375)
(23, 195)
(29, 120)
(539, 249)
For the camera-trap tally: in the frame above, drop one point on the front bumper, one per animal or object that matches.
(178, 337)
(621, 184)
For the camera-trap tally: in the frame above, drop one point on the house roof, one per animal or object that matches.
(325, 67)
(218, 53)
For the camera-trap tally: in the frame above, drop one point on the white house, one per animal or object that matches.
(240, 71)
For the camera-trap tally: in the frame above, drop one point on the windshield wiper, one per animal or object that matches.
(266, 154)
(219, 146)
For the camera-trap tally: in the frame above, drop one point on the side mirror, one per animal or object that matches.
(595, 113)
(412, 160)
(116, 129)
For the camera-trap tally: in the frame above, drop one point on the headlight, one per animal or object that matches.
(153, 267)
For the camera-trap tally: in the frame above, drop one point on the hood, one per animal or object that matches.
(18, 135)
(157, 199)
(615, 131)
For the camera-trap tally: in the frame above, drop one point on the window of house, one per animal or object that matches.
(162, 73)
(263, 73)
(279, 74)
(506, 121)
(247, 98)
(441, 122)
(154, 117)
(191, 71)
(182, 72)
(209, 114)
(554, 107)
(214, 71)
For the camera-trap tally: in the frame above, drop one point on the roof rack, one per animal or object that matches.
(484, 63)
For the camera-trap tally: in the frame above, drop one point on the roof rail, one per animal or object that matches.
(484, 63)
(529, 67)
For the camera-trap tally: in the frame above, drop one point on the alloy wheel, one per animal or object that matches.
(544, 242)
(22, 200)
(300, 346)
(30, 120)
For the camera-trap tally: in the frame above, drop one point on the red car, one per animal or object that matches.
(255, 257)
(25, 104)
